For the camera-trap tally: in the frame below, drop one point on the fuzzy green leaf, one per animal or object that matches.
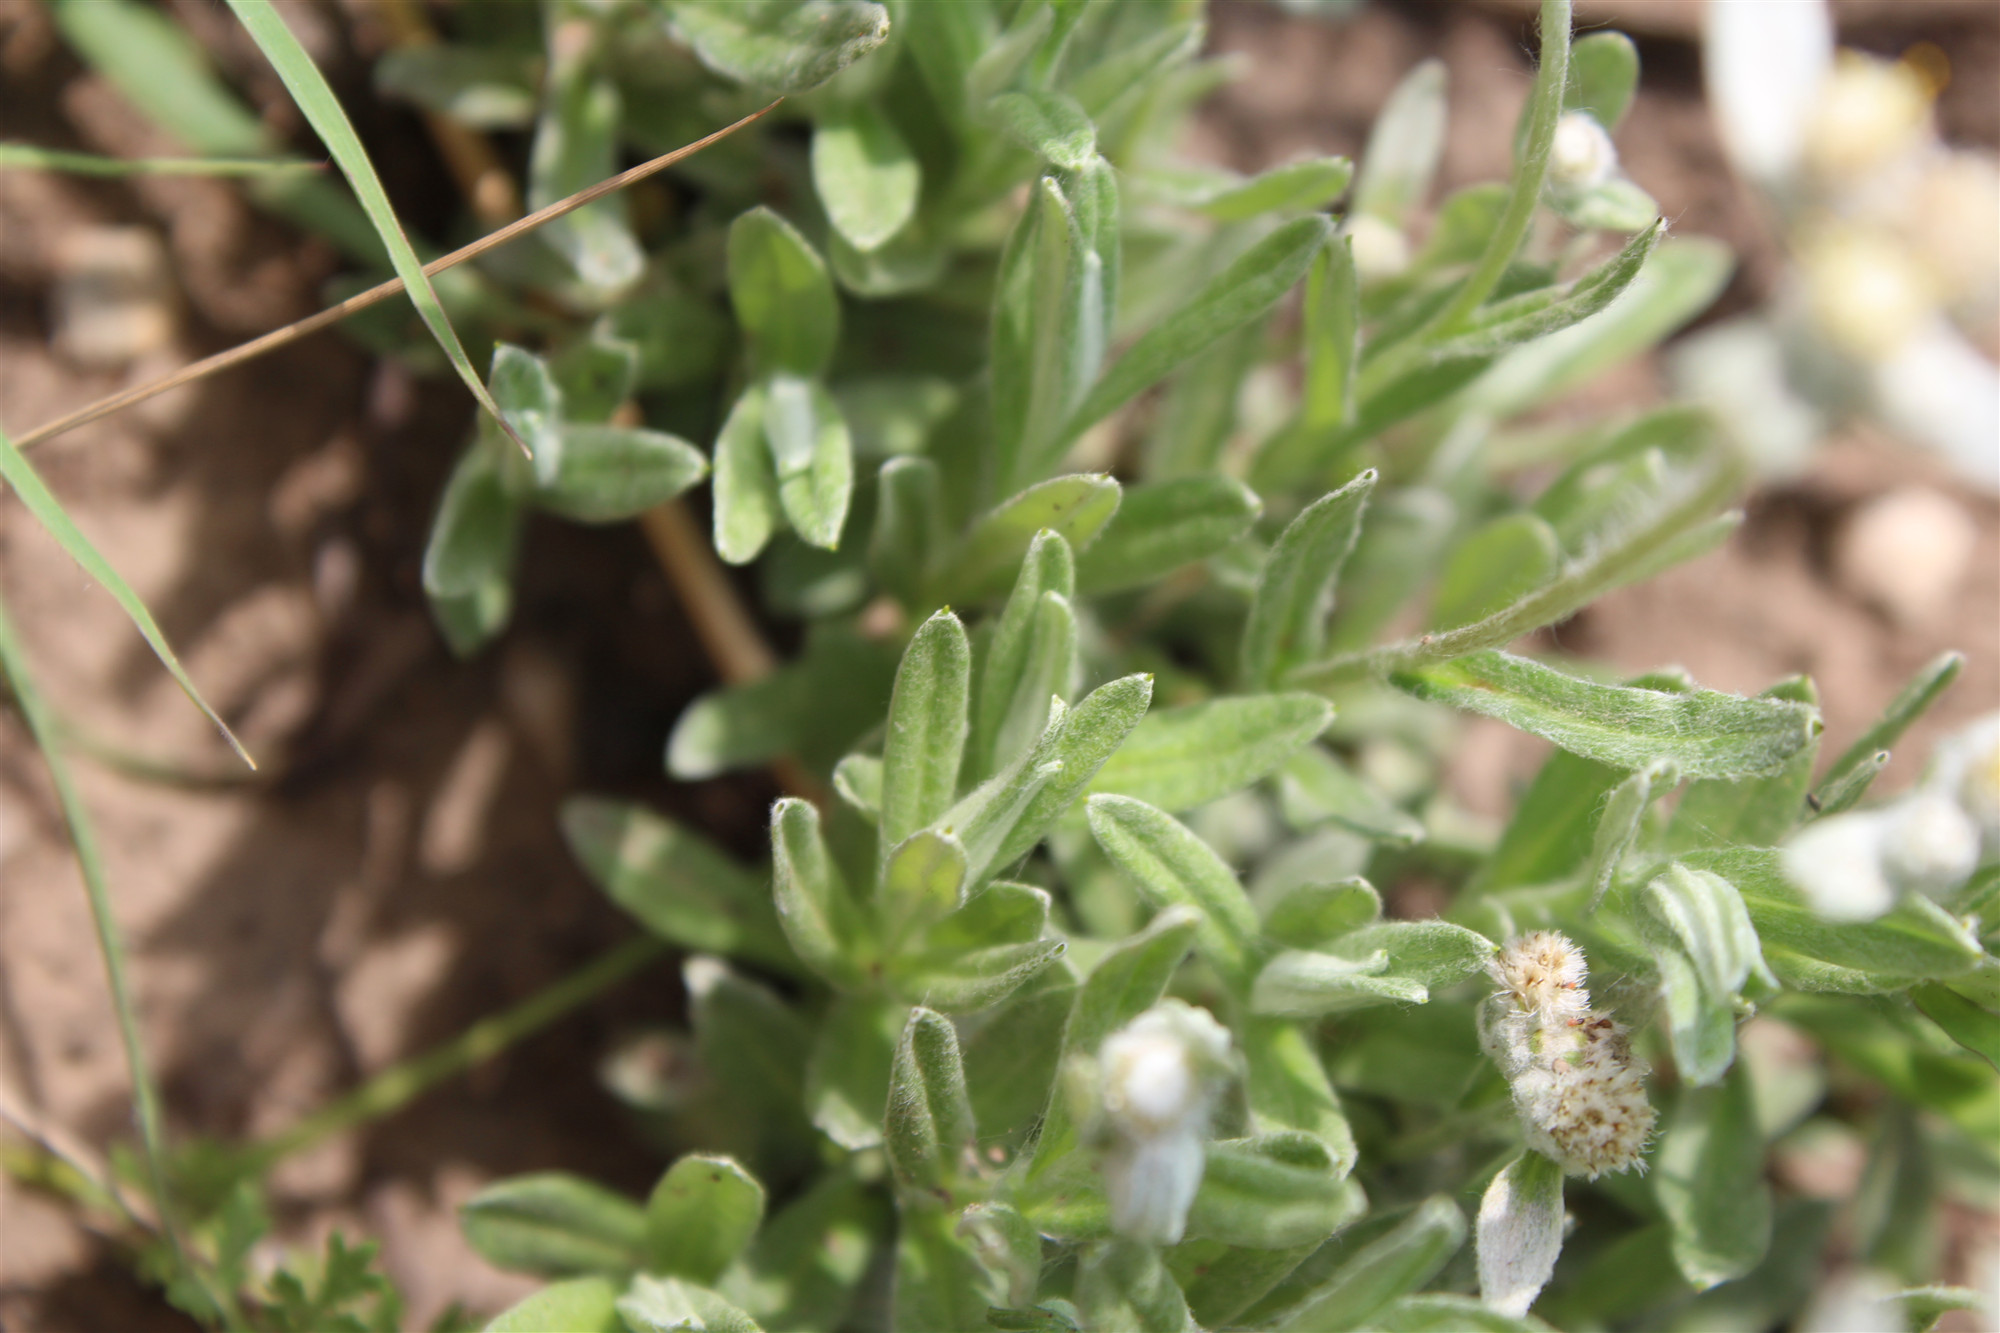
(782, 48)
(701, 1216)
(746, 486)
(1312, 914)
(582, 1304)
(1171, 866)
(1295, 590)
(1708, 1176)
(1047, 124)
(1273, 1191)
(1029, 657)
(1760, 810)
(1706, 734)
(1165, 525)
(1074, 507)
(909, 528)
(609, 473)
(679, 885)
(923, 880)
(1603, 75)
(553, 1224)
(1122, 1284)
(1394, 1265)
(1242, 292)
(1909, 704)
(1185, 757)
(1314, 788)
(1493, 568)
(866, 176)
(929, 1126)
(782, 295)
(1404, 146)
(670, 1305)
(940, 1283)
(807, 1262)
(927, 727)
(469, 559)
(1312, 183)
(813, 903)
(1520, 1233)
(812, 457)
(847, 1079)
(1391, 961)
(1624, 812)
(1088, 736)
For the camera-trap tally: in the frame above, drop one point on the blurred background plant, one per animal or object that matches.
(954, 327)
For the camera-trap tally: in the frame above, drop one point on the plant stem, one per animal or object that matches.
(145, 1096)
(401, 1084)
(1530, 168)
(291, 333)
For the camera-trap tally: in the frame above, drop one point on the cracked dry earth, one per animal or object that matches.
(397, 872)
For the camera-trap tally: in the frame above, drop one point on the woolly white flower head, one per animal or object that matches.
(1582, 156)
(1160, 1075)
(1579, 1090)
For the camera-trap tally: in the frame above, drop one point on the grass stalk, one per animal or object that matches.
(312, 324)
(400, 1084)
(145, 1096)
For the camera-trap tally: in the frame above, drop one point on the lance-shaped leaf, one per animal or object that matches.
(782, 49)
(1025, 651)
(309, 89)
(813, 903)
(1332, 336)
(1315, 788)
(1389, 962)
(1221, 1281)
(596, 375)
(809, 1259)
(553, 1224)
(1313, 914)
(1295, 590)
(1394, 1265)
(1311, 183)
(671, 1305)
(782, 295)
(674, 880)
(1007, 1245)
(1074, 507)
(983, 952)
(847, 1079)
(909, 528)
(1709, 1178)
(866, 176)
(469, 559)
(530, 402)
(1047, 124)
(1493, 568)
(1242, 292)
(576, 146)
(929, 1126)
(746, 486)
(1404, 146)
(701, 1216)
(926, 729)
(1171, 866)
(1624, 811)
(610, 473)
(812, 457)
(1270, 1192)
(1046, 333)
(1914, 939)
(585, 1304)
(923, 880)
(1165, 525)
(1198, 411)
(1838, 789)
(1186, 757)
(1089, 735)
(1704, 733)
(1758, 811)
(940, 1282)
(1123, 1284)
(1703, 913)
(1519, 1233)
(1701, 1024)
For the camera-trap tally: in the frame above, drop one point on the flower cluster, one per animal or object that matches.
(1578, 1088)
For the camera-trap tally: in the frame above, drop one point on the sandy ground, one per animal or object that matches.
(399, 873)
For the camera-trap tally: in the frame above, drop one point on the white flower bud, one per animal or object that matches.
(1380, 248)
(1966, 766)
(1579, 1090)
(1582, 156)
(1929, 845)
(1870, 112)
(1160, 1075)
(1838, 863)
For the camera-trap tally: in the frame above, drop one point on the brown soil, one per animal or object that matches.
(400, 874)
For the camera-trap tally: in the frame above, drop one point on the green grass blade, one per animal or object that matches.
(34, 157)
(43, 726)
(48, 511)
(309, 89)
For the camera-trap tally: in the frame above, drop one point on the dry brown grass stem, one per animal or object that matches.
(291, 333)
